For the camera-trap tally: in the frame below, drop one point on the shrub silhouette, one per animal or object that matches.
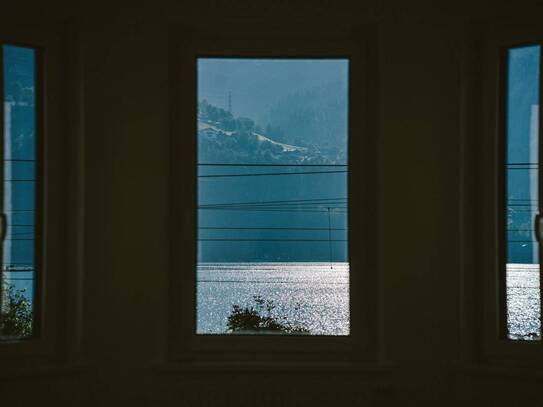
(260, 319)
(16, 313)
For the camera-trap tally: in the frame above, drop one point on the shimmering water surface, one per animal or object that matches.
(523, 302)
(315, 295)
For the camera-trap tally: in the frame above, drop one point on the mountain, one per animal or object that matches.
(256, 85)
(216, 145)
(223, 138)
(314, 116)
(279, 207)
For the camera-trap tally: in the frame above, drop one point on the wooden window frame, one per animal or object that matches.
(188, 44)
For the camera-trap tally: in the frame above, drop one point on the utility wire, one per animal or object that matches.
(338, 210)
(284, 201)
(300, 208)
(297, 204)
(265, 228)
(271, 240)
(271, 174)
(271, 165)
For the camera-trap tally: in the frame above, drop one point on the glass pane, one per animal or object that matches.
(523, 293)
(19, 191)
(272, 196)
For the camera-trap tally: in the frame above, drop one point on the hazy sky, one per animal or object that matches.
(257, 84)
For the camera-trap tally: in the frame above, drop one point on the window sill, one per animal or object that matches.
(509, 370)
(364, 368)
(28, 372)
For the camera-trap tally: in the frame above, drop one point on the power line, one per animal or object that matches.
(30, 266)
(270, 165)
(301, 210)
(523, 210)
(523, 168)
(265, 228)
(272, 240)
(271, 174)
(19, 271)
(300, 205)
(20, 238)
(21, 210)
(284, 201)
(330, 238)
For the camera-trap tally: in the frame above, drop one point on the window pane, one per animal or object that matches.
(19, 191)
(523, 292)
(272, 196)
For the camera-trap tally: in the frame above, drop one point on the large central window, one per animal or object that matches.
(272, 200)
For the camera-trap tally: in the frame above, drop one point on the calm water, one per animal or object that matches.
(311, 294)
(318, 297)
(523, 301)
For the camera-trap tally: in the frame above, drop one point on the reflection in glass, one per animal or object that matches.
(522, 193)
(19, 191)
(272, 197)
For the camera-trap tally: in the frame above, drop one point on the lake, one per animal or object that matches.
(523, 301)
(316, 295)
(313, 295)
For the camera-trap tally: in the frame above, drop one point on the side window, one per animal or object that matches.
(18, 275)
(522, 174)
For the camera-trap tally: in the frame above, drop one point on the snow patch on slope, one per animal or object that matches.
(285, 147)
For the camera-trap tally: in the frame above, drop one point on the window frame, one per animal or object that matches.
(55, 324)
(487, 230)
(186, 45)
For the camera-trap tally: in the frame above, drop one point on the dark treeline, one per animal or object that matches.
(314, 116)
(224, 119)
(239, 140)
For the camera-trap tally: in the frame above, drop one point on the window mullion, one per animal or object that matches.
(2, 214)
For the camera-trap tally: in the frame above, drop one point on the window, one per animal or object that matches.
(243, 203)
(19, 270)
(506, 179)
(272, 196)
(523, 291)
(41, 173)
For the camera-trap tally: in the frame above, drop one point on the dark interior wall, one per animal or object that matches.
(418, 143)
(126, 151)
(126, 94)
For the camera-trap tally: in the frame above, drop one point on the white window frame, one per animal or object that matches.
(185, 47)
